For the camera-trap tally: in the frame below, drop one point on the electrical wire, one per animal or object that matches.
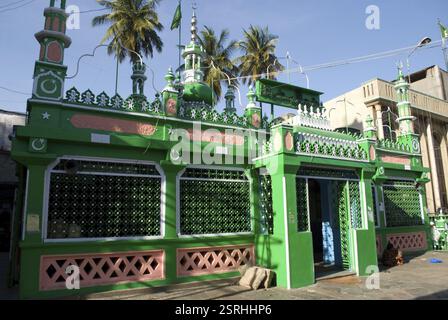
(18, 7)
(11, 4)
(336, 63)
(15, 91)
(370, 57)
(93, 10)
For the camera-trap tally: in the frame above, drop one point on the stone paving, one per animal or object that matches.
(416, 279)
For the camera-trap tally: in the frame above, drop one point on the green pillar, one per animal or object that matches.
(33, 229)
(34, 203)
(293, 258)
(171, 171)
(365, 238)
(292, 251)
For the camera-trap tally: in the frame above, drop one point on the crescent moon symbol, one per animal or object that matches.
(41, 141)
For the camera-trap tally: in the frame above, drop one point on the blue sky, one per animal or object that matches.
(313, 32)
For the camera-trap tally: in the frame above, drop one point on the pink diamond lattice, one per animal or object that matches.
(101, 269)
(208, 260)
(414, 241)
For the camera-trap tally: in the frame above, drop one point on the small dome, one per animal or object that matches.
(198, 91)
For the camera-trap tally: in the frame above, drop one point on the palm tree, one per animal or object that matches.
(218, 62)
(134, 27)
(258, 54)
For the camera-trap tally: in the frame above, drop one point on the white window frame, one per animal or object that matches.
(398, 179)
(50, 170)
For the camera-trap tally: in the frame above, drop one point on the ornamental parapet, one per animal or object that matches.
(193, 111)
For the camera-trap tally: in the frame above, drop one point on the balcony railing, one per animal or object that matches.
(380, 89)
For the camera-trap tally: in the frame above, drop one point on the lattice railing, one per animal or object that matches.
(103, 101)
(195, 111)
(214, 202)
(93, 199)
(414, 241)
(302, 204)
(102, 269)
(402, 204)
(393, 145)
(209, 260)
(317, 145)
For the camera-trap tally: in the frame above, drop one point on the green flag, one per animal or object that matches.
(444, 30)
(177, 18)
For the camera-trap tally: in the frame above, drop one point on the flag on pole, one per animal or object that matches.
(444, 30)
(177, 17)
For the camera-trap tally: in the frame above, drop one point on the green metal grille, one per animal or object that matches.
(302, 204)
(339, 194)
(355, 204)
(266, 212)
(375, 205)
(402, 204)
(214, 202)
(103, 204)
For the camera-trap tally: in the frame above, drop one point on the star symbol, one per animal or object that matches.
(46, 116)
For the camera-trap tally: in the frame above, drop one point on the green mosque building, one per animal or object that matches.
(124, 189)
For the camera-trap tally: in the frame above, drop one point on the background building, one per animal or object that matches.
(428, 97)
(8, 178)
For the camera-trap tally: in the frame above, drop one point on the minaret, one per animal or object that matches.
(195, 91)
(230, 101)
(405, 118)
(369, 128)
(252, 112)
(50, 71)
(170, 95)
(138, 79)
(193, 55)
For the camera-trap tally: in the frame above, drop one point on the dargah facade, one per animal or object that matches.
(141, 192)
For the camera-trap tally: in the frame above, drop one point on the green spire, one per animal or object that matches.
(405, 118)
(193, 55)
(169, 77)
(251, 97)
(50, 71)
(369, 130)
(138, 78)
(230, 101)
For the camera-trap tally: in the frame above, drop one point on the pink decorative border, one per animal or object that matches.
(412, 241)
(81, 121)
(210, 260)
(103, 268)
(396, 159)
